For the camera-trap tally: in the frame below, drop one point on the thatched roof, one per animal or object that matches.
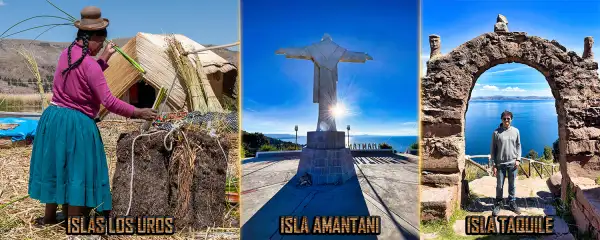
(149, 50)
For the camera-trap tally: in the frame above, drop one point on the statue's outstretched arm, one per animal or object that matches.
(357, 57)
(299, 53)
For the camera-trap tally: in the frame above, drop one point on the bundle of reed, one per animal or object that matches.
(211, 99)
(33, 68)
(187, 75)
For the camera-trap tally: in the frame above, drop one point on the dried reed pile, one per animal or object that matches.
(16, 217)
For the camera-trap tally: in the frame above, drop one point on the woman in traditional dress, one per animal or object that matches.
(68, 162)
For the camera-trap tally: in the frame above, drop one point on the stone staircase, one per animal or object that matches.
(533, 198)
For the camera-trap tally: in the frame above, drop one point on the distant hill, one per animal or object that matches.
(14, 74)
(252, 142)
(275, 135)
(511, 98)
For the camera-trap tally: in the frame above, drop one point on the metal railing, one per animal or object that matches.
(538, 166)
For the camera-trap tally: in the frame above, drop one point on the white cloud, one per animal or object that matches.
(490, 88)
(513, 89)
(493, 88)
(506, 70)
(2, 3)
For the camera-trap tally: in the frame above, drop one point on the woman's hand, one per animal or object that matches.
(145, 113)
(109, 50)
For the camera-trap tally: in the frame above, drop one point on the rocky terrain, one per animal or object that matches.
(16, 78)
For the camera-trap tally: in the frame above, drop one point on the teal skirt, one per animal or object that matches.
(68, 162)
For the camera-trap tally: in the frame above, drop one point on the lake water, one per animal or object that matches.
(398, 143)
(536, 120)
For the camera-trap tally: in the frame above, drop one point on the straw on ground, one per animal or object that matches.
(16, 219)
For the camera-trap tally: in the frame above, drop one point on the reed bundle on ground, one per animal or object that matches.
(187, 182)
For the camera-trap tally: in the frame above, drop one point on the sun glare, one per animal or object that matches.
(338, 110)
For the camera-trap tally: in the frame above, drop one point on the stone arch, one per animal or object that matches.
(450, 79)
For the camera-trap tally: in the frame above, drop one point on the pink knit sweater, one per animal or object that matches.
(84, 88)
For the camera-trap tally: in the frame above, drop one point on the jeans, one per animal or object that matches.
(509, 171)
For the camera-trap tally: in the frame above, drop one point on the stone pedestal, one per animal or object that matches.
(326, 158)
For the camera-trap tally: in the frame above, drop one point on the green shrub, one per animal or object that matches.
(548, 156)
(532, 154)
(384, 146)
(267, 148)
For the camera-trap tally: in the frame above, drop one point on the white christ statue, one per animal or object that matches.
(325, 55)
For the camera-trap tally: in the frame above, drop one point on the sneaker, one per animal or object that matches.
(512, 205)
(497, 207)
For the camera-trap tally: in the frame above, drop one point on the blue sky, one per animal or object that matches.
(381, 95)
(456, 22)
(207, 22)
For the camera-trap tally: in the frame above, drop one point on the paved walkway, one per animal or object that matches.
(385, 186)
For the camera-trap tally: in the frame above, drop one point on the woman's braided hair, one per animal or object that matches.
(84, 36)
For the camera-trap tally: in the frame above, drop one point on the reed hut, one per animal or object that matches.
(149, 50)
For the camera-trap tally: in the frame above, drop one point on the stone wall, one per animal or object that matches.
(586, 205)
(447, 87)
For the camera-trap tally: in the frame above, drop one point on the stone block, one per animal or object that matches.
(320, 154)
(578, 214)
(437, 203)
(441, 129)
(325, 140)
(582, 146)
(319, 162)
(440, 180)
(589, 199)
(585, 133)
(325, 170)
(441, 165)
(554, 183)
(443, 154)
(443, 114)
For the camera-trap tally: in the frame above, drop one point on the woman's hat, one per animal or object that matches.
(91, 19)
